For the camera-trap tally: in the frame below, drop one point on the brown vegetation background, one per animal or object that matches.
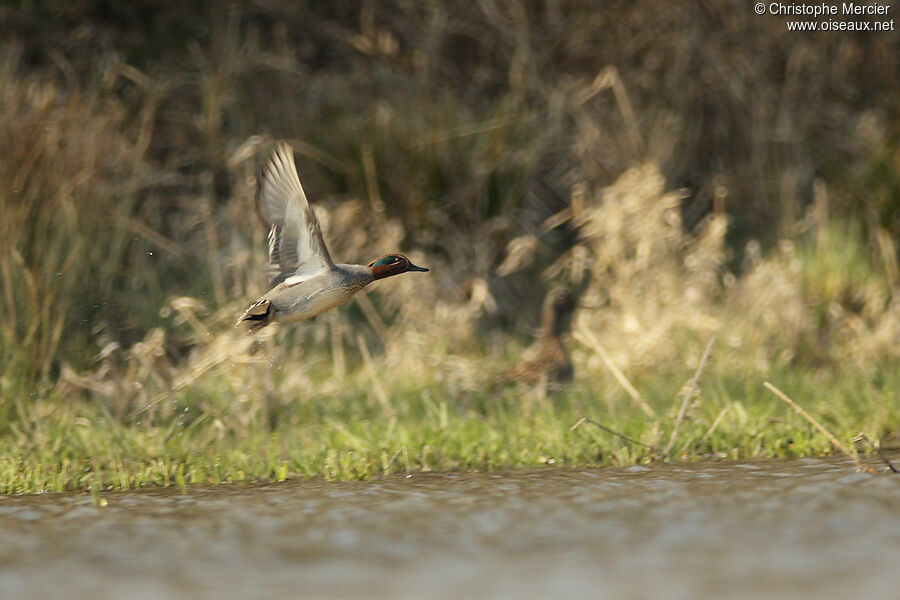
(690, 167)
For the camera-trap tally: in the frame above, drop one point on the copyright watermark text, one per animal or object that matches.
(842, 16)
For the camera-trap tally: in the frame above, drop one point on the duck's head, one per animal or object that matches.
(392, 264)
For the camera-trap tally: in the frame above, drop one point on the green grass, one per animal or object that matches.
(54, 446)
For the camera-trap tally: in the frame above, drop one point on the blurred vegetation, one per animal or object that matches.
(691, 170)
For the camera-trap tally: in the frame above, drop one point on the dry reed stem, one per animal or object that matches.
(8, 288)
(470, 129)
(375, 201)
(888, 257)
(582, 420)
(171, 247)
(608, 78)
(322, 157)
(394, 457)
(715, 424)
(373, 317)
(339, 362)
(831, 438)
(689, 390)
(406, 459)
(212, 243)
(587, 338)
(556, 220)
(380, 394)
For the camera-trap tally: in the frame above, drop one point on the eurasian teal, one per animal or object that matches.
(549, 358)
(306, 281)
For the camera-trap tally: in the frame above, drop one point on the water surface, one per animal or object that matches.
(798, 529)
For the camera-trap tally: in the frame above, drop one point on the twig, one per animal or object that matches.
(579, 422)
(587, 338)
(878, 453)
(834, 441)
(689, 390)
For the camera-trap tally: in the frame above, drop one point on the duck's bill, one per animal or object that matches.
(413, 267)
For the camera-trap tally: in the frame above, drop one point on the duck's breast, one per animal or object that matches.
(320, 292)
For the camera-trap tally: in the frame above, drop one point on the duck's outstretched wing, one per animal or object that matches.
(296, 247)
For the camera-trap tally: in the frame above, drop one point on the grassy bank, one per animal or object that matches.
(687, 175)
(347, 434)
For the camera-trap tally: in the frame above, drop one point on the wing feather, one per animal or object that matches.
(296, 248)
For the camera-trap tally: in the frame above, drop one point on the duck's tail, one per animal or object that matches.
(259, 313)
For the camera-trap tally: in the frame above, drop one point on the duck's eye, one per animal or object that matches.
(387, 260)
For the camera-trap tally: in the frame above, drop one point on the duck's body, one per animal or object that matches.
(549, 360)
(306, 281)
(290, 303)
